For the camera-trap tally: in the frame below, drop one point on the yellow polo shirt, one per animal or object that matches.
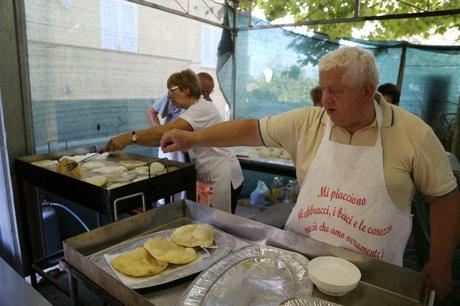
(413, 157)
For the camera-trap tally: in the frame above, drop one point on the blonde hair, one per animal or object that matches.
(360, 65)
(186, 79)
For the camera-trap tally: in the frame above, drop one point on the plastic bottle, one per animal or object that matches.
(287, 193)
(293, 191)
(277, 189)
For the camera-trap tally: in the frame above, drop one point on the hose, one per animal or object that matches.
(73, 214)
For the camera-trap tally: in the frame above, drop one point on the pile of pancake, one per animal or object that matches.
(158, 253)
(101, 172)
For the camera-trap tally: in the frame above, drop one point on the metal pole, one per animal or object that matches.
(355, 19)
(357, 8)
(402, 65)
(234, 36)
(176, 12)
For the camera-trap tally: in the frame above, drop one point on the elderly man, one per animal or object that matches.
(359, 161)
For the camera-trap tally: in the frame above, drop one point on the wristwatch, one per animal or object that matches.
(133, 137)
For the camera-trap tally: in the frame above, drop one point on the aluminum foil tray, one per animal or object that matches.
(307, 301)
(254, 275)
(224, 244)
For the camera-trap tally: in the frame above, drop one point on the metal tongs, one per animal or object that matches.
(72, 165)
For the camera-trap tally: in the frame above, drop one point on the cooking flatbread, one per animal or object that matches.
(194, 235)
(75, 172)
(166, 250)
(115, 185)
(77, 158)
(156, 168)
(45, 163)
(138, 263)
(132, 164)
(140, 178)
(92, 165)
(110, 170)
(97, 180)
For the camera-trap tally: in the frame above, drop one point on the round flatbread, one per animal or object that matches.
(132, 164)
(194, 235)
(115, 185)
(63, 169)
(166, 250)
(156, 168)
(138, 263)
(92, 165)
(97, 180)
(140, 178)
(46, 163)
(110, 170)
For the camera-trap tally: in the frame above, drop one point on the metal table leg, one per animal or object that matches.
(73, 284)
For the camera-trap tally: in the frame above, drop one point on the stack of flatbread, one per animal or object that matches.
(157, 253)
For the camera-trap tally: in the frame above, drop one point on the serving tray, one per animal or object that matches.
(253, 275)
(224, 244)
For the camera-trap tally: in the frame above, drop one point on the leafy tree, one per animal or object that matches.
(311, 10)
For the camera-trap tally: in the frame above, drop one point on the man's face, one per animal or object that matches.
(207, 87)
(346, 105)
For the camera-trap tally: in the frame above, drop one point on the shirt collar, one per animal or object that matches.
(387, 113)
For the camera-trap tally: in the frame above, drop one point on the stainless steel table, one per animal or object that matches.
(15, 291)
(101, 200)
(381, 283)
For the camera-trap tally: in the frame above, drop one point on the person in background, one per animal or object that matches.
(359, 162)
(207, 85)
(169, 112)
(219, 165)
(390, 92)
(316, 96)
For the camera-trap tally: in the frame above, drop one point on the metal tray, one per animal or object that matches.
(224, 244)
(254, 275)
(307, 301)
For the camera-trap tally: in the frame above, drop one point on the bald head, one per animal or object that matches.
(207, 85)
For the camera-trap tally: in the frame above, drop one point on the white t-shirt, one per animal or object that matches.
(204, 114)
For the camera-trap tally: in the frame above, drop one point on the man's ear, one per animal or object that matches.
(369, 91)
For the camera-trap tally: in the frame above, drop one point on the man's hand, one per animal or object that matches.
(176, 140)
(117, 143)
(440, 280)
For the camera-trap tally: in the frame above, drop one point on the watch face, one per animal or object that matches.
(134, 137)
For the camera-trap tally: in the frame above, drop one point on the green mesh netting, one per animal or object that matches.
(276, 69)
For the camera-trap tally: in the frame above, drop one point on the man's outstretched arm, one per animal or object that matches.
(226, 134)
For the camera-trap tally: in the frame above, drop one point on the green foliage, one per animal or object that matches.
(396, 29)
(289, 86)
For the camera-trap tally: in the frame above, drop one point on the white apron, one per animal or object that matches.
(343, 201)
(218, 170)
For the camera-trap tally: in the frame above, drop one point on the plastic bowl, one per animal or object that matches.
(333, 275)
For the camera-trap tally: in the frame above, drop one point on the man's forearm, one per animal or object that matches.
(444, 229)
(228, 134)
